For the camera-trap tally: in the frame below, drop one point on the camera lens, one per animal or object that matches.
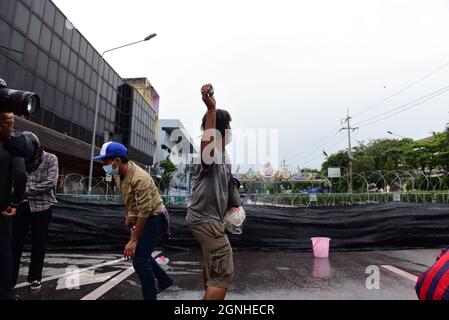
(32, 104)
(19, 102)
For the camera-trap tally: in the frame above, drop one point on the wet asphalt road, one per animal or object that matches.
(374, 275)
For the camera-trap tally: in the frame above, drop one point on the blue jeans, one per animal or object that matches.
(146, 267)
(5, 259)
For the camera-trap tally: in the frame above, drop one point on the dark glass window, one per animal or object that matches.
(45, 38)
(70, 84)
(67, 35)
(2, 63)
(17, 41)
(60, 124)
(78, 89)
(49, 14)
(62, 78)
(83, 114)
(76, 112)
(22, 17)
(106, 70)
(53, 71)
(14, 74)
(68, 104)
(42, 63)
(85, 95)
(59, 102)
(80, 71)
(74, 131)
(93, 80)
(73, 62)
(59, 23)
(100, 124)
(111, 76)
(90, 54)
(65, 55)
(111, 94)
(7, 9)
(48, 98)
(82, 134)
(95, 64)
(76, 40)
(27, 83)
(47, 119)
(87, 74)
(104, 91)
(39, 86)
(35, 28)
(5, 31)
(92, 99)
(90, 119)
(56, 47)
(38, 7)
(83, 48)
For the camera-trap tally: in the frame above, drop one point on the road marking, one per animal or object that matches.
(401, 272)
(97, 293)
(102, 290)
(67, 274)
(85, 278)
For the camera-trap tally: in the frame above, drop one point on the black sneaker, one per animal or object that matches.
(35, 285)
(161, 288)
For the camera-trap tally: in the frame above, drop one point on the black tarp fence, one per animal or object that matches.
(80, 225)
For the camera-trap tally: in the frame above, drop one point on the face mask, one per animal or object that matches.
(110, 170)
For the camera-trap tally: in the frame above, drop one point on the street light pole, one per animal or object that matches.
(97, 102)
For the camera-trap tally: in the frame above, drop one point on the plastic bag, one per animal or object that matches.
(162, 260)
(234, 219)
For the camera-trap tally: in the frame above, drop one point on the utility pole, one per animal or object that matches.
(348, 121)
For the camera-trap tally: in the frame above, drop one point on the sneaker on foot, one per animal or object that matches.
(35, 285)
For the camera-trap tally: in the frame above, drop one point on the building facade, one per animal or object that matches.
(176, 143)
(41, 51)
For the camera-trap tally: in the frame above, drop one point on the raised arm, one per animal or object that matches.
(208, 141)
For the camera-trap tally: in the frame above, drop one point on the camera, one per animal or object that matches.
(21, 103)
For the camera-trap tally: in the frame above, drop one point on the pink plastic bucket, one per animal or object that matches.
(320, 247)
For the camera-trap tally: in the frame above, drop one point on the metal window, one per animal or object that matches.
(22, 17)
(45, 41)
(56, 47)
(49, 13)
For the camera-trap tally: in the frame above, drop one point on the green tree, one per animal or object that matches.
(169, 169)
(339, 159)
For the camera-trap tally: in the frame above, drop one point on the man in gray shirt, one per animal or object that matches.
(209, 200)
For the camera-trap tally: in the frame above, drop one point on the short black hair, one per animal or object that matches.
(223, 121)
(123, 159)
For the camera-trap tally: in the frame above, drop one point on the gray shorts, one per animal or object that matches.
(217, 253)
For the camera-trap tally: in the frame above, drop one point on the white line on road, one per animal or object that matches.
(97, 293)
(401, 272)
(67, 274)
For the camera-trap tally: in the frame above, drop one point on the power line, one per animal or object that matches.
(305, 155)
(330, 134)
(410, 107)
(330, 148)
(312, 151)
(403, 89)
(404, 107)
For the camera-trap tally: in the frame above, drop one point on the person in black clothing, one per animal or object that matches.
(12, 189)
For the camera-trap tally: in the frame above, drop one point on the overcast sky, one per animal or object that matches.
(294, 66)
